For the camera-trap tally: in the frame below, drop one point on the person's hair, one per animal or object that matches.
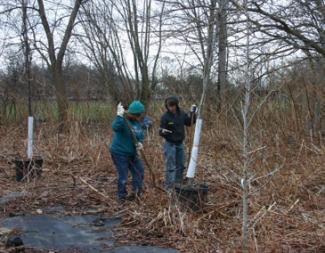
(133, 116)
(171, 103)
(136, 114)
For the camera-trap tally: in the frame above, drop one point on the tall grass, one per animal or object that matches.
(85, 112)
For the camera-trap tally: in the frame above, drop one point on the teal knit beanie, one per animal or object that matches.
(136, 107)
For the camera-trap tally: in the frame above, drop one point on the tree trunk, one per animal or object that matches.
(246, 120)
(145, 91)
(210, 47)
(27, 53)
(55, 60)
(61, 96)
(222, 44)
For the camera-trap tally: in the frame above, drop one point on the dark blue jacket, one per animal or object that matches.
(175, 123)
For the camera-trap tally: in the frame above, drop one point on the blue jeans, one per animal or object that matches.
(174, 164)
(123, 164)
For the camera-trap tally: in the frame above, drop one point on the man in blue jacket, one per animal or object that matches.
(172, 130)
(128, 136)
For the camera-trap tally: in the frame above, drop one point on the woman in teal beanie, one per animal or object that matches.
(127, 139)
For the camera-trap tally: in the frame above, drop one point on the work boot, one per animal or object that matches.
(135, 195)
(121, 201)
(131, 197)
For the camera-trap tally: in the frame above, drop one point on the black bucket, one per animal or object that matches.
(192, 196)
(29, 168)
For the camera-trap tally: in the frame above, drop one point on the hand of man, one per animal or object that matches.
(193, 108)
(120, 110)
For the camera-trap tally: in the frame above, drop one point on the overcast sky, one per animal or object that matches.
(174, 52)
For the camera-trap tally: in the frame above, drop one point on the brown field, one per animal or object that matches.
(287, 197)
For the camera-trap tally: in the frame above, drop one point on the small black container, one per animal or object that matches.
(30, 168)
(14, 241)
(193, 196)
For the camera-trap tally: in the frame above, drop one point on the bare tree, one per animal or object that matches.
(208, 61)
(222, 49)
(299, 23)
(245, 115)
(103, 47)
(107, 24)
(192, 19)
(54, 56)
(139, 32)
(27, 53)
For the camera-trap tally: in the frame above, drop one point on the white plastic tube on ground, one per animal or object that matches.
(195, 149)
(30, 137)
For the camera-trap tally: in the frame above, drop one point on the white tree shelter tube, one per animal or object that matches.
(30, 137)
(195, 149)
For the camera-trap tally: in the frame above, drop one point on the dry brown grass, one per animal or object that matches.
(287, 198)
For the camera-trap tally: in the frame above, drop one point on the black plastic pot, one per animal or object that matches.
(14, 241)
(30, 168)
(193, 196)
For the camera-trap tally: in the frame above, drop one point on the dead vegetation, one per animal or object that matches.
(287, 188)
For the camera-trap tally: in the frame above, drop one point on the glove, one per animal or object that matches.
(139, 146)
(193, 108)
(120, 110)
(165, 131)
